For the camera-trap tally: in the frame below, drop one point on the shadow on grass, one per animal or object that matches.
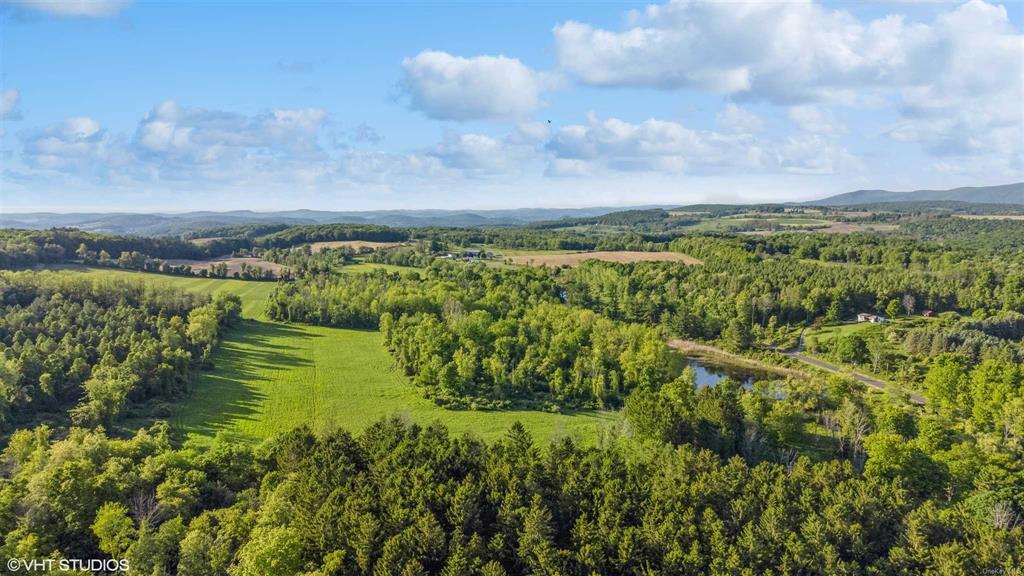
(230, 392)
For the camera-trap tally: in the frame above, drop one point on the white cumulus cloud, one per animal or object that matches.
(192, 146)
(815, 154)
(386, 167)
(956, 82)
(785, 52)
(665, 146)
(652, 145)
(9, 104)
(178, 143)
(735, 119)
(74, 8)
(198, 135)
(816, 119)
(450, 87)
(974, 105)
(77, 144)
(481, 154)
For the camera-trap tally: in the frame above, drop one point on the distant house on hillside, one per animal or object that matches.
(468, 255)
(873, 318)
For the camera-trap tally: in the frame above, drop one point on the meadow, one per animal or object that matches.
(269, 377)
(360, 267)
(838, 330)
(727, 223)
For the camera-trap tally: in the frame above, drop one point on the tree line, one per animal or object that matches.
(26, 248)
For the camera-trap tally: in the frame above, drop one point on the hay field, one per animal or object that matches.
(234, 264)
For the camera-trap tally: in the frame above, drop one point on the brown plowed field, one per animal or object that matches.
(234, 264)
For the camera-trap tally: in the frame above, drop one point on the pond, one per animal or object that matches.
(710, 374)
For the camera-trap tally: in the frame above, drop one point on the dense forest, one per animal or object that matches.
(82, 350)
(760, 284)
(24, 248)
(981, 234)
(405, 500)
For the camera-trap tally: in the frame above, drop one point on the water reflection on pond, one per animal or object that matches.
(710, 374)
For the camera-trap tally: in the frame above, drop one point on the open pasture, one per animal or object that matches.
(269, 377)
(831, 228)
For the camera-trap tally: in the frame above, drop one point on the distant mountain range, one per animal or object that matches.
(1005, 194)
(163, 224)
(175, 224)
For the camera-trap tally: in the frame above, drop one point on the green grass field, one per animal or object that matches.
(838, 330)
(728, 222)
(269, 377)
(360, 267)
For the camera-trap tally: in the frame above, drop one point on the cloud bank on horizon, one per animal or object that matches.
(678, 102)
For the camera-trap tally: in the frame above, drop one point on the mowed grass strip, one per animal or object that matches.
(269, 377)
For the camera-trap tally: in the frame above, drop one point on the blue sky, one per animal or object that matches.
(113, 105)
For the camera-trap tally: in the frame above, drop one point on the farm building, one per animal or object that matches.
(468, 255)
(873, 318)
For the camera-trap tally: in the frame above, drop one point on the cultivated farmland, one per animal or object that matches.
(234, 264)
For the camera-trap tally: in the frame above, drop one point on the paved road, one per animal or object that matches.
(798, 354)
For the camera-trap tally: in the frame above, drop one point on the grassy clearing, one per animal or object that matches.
(838, 330)
(271, 376)
(369, 266)
(732, 222)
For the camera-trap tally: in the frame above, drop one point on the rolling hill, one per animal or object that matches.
(1005, 194)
